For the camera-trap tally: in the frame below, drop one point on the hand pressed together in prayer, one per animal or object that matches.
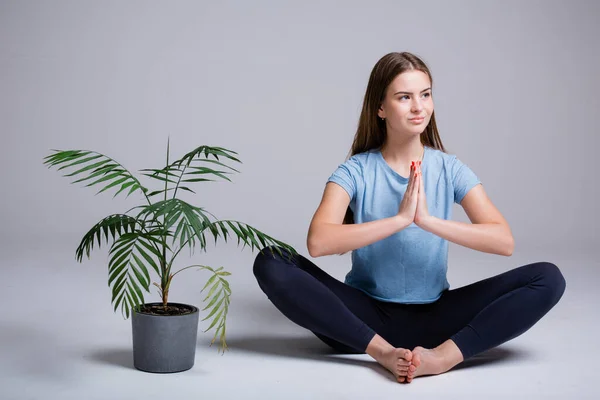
(421, 213)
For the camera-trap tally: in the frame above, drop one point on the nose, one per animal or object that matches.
(416, 106)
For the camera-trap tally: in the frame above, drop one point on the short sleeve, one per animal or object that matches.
(347, 175)
(463, 179)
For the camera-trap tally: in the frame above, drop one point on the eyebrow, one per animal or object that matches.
(424, 90)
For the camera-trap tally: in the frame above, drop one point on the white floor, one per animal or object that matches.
(59, 338)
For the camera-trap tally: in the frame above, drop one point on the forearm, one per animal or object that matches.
(327, 239)
(488, 238)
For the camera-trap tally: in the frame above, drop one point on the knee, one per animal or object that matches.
(553, 280)
(264, 257)
(266, 260)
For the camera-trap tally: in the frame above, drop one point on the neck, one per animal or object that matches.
(403, 152)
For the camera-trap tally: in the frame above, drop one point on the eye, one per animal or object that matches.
(401, 97)
(427, 94)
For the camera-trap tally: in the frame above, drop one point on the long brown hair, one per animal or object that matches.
(371, 132)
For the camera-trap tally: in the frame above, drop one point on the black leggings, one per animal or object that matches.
(476, 317)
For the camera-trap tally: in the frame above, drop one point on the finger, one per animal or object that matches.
(415, 176)
(411, 180)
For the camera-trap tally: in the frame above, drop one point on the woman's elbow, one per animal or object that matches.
(509, 247)
(314, 253)
(314, 249)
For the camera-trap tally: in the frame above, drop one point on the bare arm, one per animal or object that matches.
(489, 231)
(327, 235)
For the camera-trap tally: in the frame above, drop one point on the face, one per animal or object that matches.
(408, 97)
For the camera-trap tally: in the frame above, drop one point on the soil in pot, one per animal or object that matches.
(170, 309)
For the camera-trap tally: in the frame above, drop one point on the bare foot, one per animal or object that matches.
(427, 362)
(398, 362)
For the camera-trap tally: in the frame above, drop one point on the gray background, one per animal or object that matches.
(282, 83)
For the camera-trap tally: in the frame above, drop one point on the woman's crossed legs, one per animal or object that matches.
(460, 324)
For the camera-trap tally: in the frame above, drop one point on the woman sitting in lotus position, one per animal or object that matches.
(390, 204)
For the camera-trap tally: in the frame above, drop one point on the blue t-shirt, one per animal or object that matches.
(409, 266)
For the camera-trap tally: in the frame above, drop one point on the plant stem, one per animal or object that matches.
(165, 274)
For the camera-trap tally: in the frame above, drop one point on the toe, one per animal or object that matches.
(416, 361)
(411, 371)
(401, 378)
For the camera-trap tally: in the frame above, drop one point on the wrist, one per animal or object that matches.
(401, 222)
(426, 223)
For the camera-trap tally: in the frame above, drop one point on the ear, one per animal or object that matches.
(380, 112)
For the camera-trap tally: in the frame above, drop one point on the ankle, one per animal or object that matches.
(378, 346)
(449, 353)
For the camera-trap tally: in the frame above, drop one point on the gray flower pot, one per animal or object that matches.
(164, 343)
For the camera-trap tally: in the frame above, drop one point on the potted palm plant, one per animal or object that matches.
(151, 236)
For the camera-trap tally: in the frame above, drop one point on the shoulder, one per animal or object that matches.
(351, 173)
(364, 157)
(448, 162)
(440, 156)
(439, 160)
(360, 162)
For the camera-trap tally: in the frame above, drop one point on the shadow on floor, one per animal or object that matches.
(302, 347)
(495, 356)
(115, 357)
(312, 348)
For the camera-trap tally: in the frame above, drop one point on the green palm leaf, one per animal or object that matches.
(193, 222)
(189, 221)
(96, 166)
(115, 224)
(219, 295)
(167, 174)
(202, 154)
(127, 271)
(250, 236)
(157, 192)
(182, 170)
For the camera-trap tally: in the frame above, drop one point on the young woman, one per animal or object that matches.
(390, 204)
